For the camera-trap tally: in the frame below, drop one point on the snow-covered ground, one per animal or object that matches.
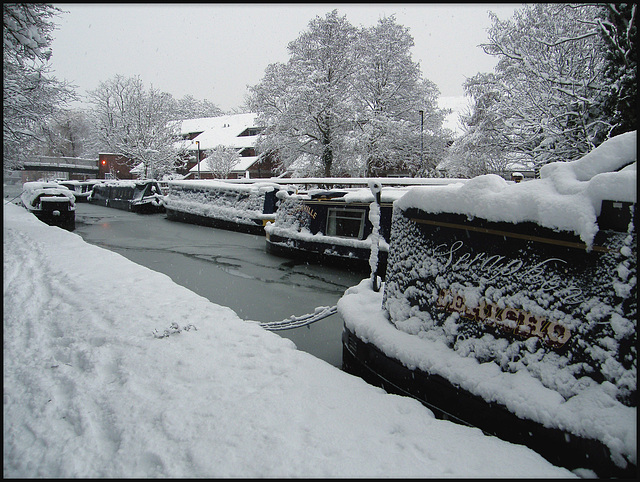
(113, 370)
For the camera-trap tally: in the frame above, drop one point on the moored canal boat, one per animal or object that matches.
(513, 308)
(81, 189)
(245, 207)
(143, 196)
(337, 226)
(50, 203)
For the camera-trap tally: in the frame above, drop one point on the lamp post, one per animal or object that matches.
(198, 158)
(421, 138)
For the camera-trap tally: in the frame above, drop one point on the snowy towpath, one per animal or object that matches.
(90, 392)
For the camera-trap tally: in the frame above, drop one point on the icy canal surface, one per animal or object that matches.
(228, 268)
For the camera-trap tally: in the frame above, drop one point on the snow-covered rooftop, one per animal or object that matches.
(222, 130)
(244, 163)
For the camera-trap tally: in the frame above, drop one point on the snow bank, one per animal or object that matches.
(89, 391)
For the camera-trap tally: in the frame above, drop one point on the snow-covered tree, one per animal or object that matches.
(31, 95)
(67, 134)
(430, 138)
(306, 104)
(480, 150)
(619, 29)
(548, 85)
(222, 160)
(348, 101)
(139, 124)
(190, 108)
(389, 89)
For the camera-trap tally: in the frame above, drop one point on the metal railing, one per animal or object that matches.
(62, 163)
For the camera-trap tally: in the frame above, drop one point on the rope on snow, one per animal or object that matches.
(319, 313)
(11, 200)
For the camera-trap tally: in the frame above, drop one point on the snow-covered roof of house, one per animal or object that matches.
(223, 130)
(243, 164)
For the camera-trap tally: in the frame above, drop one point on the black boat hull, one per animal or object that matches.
(449, 402)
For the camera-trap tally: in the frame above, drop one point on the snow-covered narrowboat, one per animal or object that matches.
(50, 203)
(81, 189)
(342, 227)
(245, 207)
(512, 307)
(142, 196)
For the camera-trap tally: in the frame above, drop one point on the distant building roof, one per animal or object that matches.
(244, 163)
(223, 130)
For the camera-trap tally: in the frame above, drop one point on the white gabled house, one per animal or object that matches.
(238, 131)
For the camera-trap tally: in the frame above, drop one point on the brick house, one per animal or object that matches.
(200, 136)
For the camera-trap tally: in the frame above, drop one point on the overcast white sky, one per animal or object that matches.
(213, 51)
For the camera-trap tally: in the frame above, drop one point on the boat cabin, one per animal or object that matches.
(340, 221)
(81, 189)
(137, 196)
(333, 227)
(50, 203)
(243, 207)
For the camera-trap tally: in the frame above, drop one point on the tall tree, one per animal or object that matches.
(548, 82)
(67, 134)
(30, 94)
(348, 101)
(480, 150)
(312, 113)
(619, 30)
(391, 94)
(190, 108)
(139, 124)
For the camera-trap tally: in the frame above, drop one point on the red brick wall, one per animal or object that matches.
(114, 164)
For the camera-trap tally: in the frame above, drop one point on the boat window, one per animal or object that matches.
(346, 223)
(139, 191)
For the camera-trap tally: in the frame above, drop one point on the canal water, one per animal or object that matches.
(228, 268)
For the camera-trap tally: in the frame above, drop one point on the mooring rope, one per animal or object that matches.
(319, 313)
(11, 200)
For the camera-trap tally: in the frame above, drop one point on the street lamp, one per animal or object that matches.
(421, 138)
(198, 158)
